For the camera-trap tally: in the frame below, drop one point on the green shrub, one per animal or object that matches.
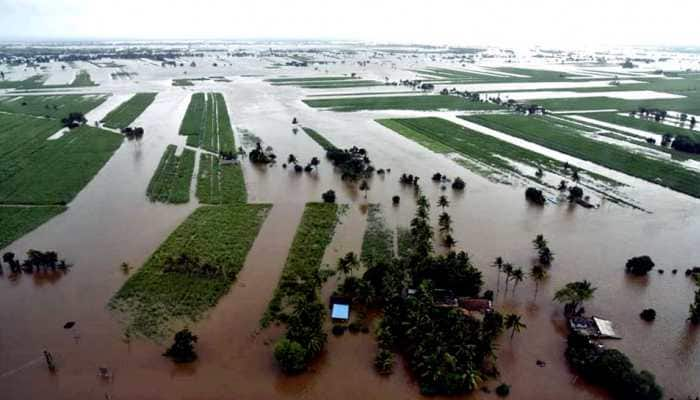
(290, 356)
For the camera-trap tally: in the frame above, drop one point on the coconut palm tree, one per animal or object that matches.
(347, 264)
(364, 186)
(443, 202)
(573, 294)
(538, 274)
(539, 242)
(508, 270)
(449, 241)
(498, 263)
(514, 323)
(517, 276)
(445, 222)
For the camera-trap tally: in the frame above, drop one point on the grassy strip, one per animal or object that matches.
(51, 106)
(192, 122)
(224, 131)
(378, 241)
(18, 221)
(171, 180)
(404, 241)
(127, 112)
(301, 271)
(318, 138)
(159, 296)
(340, 84)
(424, 103)
(34, 170)
(543, 131)
(82, 79)
(219, 184)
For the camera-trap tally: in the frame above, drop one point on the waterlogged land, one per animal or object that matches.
(207, 123)
(378, 241)
(492, 157)
(82, 79)
(325, 82)
(422, 103)
(302, 274)
(191, 270)
(127, 112)
(546, 132)
(219, 183)
(171, 180)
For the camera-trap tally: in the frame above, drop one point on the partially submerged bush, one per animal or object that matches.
(535, 196)
(639, 265)
(648, 314)
(458, 184)
(182, 350)
(384, 362)
(290, 356)
(328, 197)
(338, 330)
(396, 200)
(503, 390)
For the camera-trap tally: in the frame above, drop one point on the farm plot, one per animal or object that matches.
(219, 183)
(18, 221)
(127, 112)
(207, 125)
(301, 274)
(378, 241)
(325, 82)
(191, 270)
(318, 138)
(546, 132)
(422, 103)
(171, 180)
(51, 106)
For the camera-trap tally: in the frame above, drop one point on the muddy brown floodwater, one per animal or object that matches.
(111, 221)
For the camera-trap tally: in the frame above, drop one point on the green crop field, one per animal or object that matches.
(52, 106)
(647, 125)
(545, 132)
(219, 184)
(421, 102)
(207, 125)
(454, 76)
(307, 79)
(82, 79)
(18, 221)
(127, 112)
(325, 82)
(378, 241)
(301, 271)
(171, 180)
(484, 154)
(191, 270)
(34, 170)
(318, 138)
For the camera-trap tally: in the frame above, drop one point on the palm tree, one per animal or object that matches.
(538, 274)
(575, 177)
(445, 222)
(546, 255)
(347, 264)
(517, 276)
(449, 241)
(573, 295)
(443, 202)
(498, 263)
(508, 270)
(364, 186)
(539, 242)
(514, 323)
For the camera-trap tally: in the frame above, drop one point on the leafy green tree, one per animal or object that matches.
(290, 356)
(443, 202)
(695, 309)
(347, 264)
(445, 223)
(182, 350)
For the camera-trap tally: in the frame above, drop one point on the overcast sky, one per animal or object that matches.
(507, 22)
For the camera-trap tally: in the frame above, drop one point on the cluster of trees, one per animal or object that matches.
(36, 261)
(408, 179)
(544, 253)
(694, 317)
(292, 160)
(448, 351)
(686, 144)
(74, 120)
(445, 223)
(353, 163)
(133, 133)
(657, 114)
(305, 337)
(261, 156)
(611, 369)
(639, 266)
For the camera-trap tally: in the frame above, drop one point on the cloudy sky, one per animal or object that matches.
(463, 22)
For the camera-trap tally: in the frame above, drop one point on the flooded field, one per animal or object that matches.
(111, 221)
